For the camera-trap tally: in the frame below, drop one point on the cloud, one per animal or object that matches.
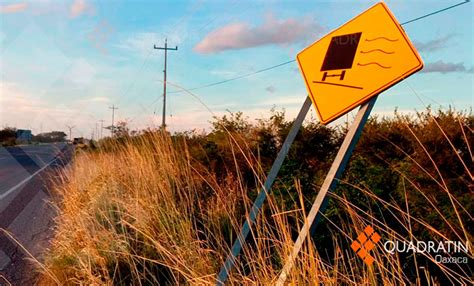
(79, 7)
(24, 108)
(223, 73)
(242, 35)
(282, 101)
(270, 89)
(99, 99)
(445, 67)
(142, 42)
(13, 8)
(433, 45)
(81, 72)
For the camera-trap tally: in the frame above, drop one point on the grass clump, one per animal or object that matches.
(155, 209)
(127, 216)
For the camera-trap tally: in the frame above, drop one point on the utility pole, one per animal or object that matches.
(163, 122)
(101, 127)
(113, 114)
(70, 131)
(96, 131)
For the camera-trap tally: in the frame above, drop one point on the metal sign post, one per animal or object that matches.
(257, 205)
(330, 183)
(346, 68)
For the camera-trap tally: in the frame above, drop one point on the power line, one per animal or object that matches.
(291, 61)
(435, 12)
(132, 84)
(231, 8)
(194, 31)
(145, 62)
(238, 77)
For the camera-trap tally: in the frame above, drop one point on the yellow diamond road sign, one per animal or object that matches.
(359, 60)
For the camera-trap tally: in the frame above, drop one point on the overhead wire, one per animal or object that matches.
(132, 84)
(176, 26)
(239, 77)
(179, 22)
(198, 29)
(435, 12)
(147, 57)
(291, 61)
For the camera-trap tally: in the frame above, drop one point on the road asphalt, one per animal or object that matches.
(26, 216)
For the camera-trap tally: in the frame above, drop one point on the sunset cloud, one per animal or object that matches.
(242, 35)
(79, 7)
(13, 8)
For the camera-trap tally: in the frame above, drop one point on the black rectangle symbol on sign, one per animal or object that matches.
(341, 52)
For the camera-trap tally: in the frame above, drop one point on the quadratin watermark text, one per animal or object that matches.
(443, 251)
(438, 249)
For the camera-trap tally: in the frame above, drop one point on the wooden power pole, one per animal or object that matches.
(70, 131)
(166, 49)
(101, 127)
(113, 114)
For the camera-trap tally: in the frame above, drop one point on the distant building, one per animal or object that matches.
(79, 140)
(23, 136)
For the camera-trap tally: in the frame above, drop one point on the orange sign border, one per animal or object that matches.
(379, 90)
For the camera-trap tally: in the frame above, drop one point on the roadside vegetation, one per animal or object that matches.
(8, 137)
(149, 208)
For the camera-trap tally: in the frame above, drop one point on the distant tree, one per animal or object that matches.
(235, 122)
(7, 136)
(121, 129)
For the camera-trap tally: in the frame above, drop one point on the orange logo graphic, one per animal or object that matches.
(364, 243)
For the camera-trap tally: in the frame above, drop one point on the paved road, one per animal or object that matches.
(24, 210)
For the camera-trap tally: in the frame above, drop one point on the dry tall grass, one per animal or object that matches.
(144, 213)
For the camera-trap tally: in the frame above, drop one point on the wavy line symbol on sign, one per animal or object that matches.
(376, 50)
(373, 63)
(381, 38)
(379, 51)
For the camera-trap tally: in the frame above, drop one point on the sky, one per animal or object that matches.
(67, 62)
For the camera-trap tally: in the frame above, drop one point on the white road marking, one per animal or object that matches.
(2, 196)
